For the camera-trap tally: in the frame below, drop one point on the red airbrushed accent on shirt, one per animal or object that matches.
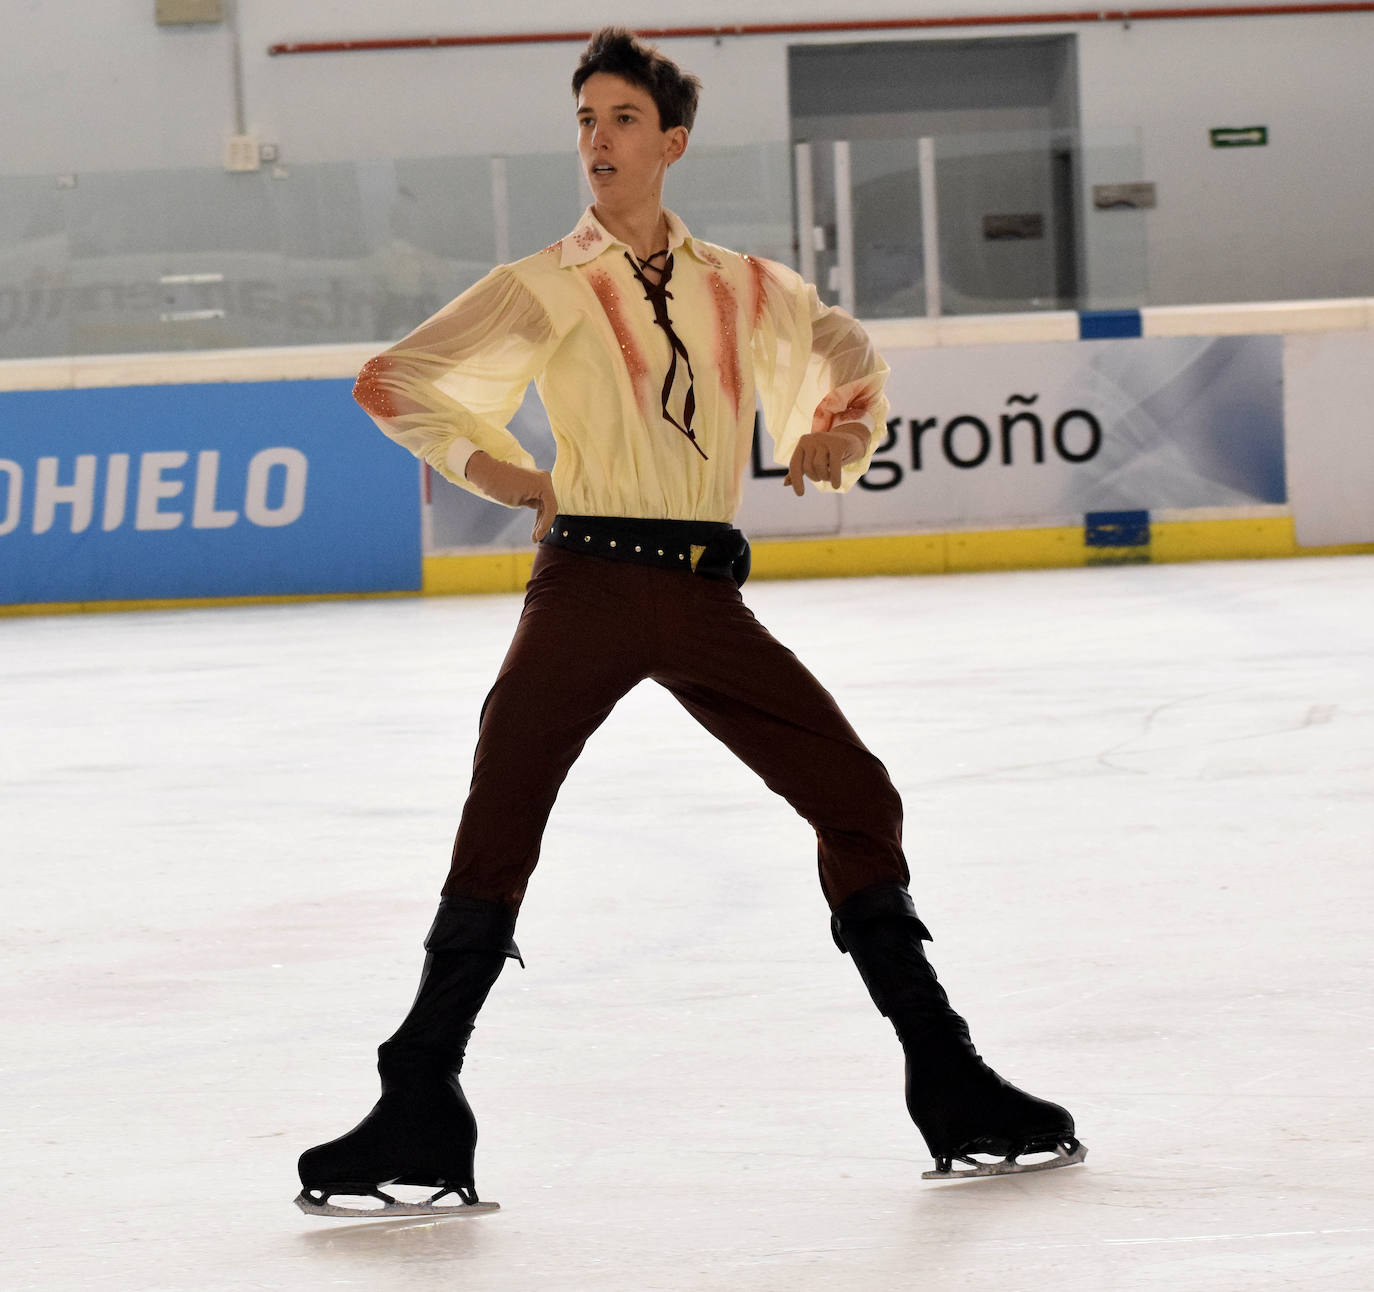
(727, 338)
(587, 238)
(759, 278)
(371, 392)
(825, 420)
(635, 363)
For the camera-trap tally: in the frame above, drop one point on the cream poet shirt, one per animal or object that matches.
(575, 319)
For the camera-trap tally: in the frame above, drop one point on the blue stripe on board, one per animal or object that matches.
(1116, 529)
(1101, 325)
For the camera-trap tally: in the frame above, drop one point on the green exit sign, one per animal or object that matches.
(1240, 136)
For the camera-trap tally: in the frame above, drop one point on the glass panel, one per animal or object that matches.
(1018, 229)
(170, 260)
(1115, 239)
(430, 234)
(998, 223)
(546, 198)
(738, 197)
(364, 251)
(130, 262)
(33, 267)
(200, 259)
(889, 277)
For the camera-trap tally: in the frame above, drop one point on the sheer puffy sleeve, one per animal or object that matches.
(815, 366)
(452, 385)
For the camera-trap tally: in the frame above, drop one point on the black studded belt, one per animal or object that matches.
(712, 549)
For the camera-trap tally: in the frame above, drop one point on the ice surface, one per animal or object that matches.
(1140, 808)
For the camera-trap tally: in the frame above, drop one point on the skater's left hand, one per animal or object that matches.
(821, 455)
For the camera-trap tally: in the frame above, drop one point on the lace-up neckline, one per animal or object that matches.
(658, 295)
(647, 264)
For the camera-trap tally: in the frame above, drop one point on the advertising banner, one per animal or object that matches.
(991, 436)
(207, 490)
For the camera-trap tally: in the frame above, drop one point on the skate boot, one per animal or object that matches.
(421, 1131)
(960, 1105)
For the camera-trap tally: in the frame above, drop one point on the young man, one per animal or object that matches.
(648, 349)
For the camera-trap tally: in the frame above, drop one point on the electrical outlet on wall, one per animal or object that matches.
(241, 153)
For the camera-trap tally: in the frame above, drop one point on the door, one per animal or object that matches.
(997, 191)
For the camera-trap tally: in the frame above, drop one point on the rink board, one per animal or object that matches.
(210, 490)
(1014, 441)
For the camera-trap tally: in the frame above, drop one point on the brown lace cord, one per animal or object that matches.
(658, 295)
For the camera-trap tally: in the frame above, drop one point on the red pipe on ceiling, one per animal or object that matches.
(1125, 16)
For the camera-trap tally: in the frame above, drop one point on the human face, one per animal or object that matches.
(624, 151)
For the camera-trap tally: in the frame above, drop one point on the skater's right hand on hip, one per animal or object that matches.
(516, 487)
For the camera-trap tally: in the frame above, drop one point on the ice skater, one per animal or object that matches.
(649, 349)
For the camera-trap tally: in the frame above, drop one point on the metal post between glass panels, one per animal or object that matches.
(806, 214)
(844, 226)
(930, 225)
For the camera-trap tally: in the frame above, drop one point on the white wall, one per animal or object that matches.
(115, 92)
(110, 91)
(1231, 218)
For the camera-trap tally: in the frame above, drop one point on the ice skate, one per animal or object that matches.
(421, 1132)
(964, 1111)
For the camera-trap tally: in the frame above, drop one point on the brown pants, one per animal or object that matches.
(592, 629)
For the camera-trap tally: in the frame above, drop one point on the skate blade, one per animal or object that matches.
(392, 1208)
(1010, 1166)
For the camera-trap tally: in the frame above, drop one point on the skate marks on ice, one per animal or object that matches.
(1189, 730)
(316, 1202)
(1067, 1152)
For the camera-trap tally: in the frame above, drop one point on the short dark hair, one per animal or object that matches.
(617, 52)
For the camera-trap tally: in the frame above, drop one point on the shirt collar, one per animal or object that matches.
(590, 238)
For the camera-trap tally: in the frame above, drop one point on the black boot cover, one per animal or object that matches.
(422, 1131)
(959, 1104)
